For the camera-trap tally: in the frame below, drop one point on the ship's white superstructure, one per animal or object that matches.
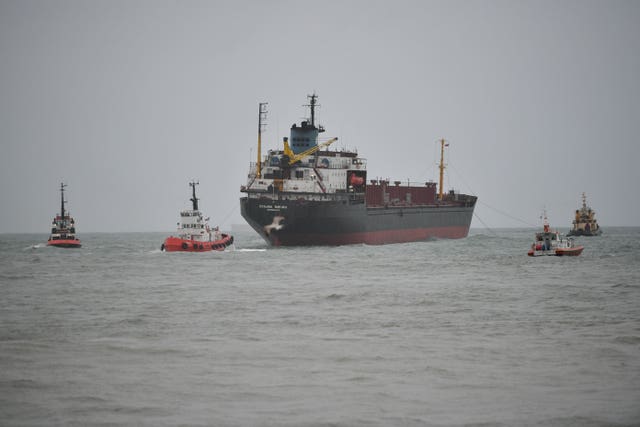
(193, 226)
(325, 172)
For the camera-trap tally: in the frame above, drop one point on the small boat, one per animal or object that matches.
(585, 223)
(194, 233)
(552, 243)
(63, 227)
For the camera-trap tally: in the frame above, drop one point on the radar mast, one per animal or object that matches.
(62, 185)
(194, 199)
(262, 117)
(443, 143)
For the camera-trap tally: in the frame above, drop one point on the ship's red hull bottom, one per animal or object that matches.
(176, 244)
(370, 237)
(64, 243)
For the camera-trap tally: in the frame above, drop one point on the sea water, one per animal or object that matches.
(439, 333)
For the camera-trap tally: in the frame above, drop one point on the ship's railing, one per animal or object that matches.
(356, 198)
(253, 169)
(407, 183)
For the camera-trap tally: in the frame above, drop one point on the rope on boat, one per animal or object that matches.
(507, 215)
(489, 206)
(483, 223)
(231, 212)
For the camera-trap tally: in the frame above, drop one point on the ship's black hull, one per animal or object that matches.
(342, 221)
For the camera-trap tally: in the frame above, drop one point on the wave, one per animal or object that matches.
(36, 246)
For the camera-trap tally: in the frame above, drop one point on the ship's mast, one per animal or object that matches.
(313, 108)
(443, 144)
(194, 199)
(262, 117)
(545, 222)
(62, 200)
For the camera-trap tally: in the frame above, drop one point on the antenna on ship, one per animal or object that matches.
(443, 143)
(312, 106)
(262, 117)
(194, 199)
(62, 185)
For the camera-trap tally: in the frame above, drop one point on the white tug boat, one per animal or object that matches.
(194, 233)
(552, 243)
(63, 227)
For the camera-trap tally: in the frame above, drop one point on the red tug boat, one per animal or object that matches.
(63, 227)
(194, 233)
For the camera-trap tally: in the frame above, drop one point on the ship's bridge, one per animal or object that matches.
(303, 137)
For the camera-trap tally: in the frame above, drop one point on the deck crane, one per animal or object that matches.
(293, 158)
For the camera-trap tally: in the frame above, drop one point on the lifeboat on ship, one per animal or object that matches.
(552, 243)
(194, 233)
(63, 227)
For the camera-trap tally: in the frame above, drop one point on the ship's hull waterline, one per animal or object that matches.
(65, 243)
(176, 244)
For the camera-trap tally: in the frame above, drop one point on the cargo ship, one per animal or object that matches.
(306, 194)
(584, 223)
(63, 227)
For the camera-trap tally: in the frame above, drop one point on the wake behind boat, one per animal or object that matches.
(552, 243)
(194, 233)
(63, 227)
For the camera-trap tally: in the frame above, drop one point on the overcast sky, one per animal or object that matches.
(127, 101)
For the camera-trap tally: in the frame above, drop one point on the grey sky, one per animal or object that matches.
(126, 101)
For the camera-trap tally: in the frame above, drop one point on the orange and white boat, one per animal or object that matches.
(194, 233)
(552, 243)
(63, 227)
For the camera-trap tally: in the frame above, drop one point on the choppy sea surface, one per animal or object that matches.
(468, 332)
